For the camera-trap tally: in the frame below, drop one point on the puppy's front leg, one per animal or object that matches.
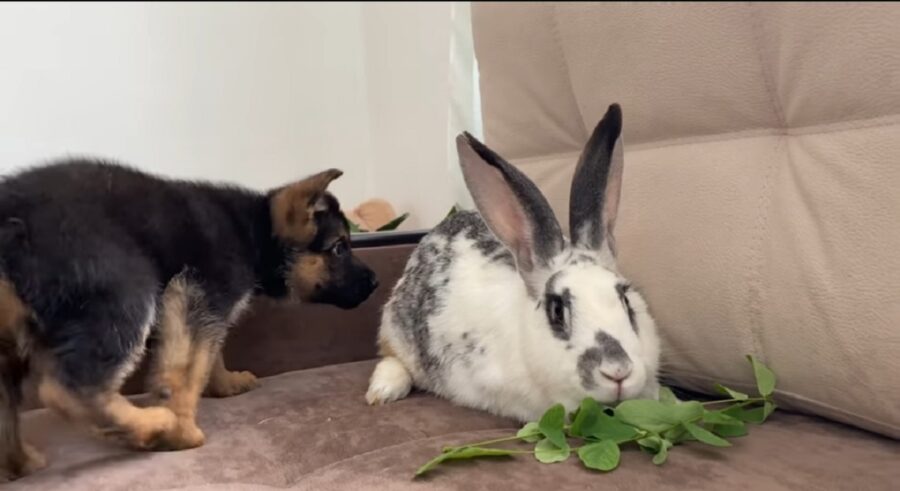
(225, 383)
(182, 364)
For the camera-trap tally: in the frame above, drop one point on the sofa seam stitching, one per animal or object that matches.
(557, 38)
(767, 78)
(757, 259)
(858, 124)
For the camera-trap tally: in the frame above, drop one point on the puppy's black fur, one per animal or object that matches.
(90, 249)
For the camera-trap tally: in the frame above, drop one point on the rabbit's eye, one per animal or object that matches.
(557, 313)
(622, 289)
(557, 307)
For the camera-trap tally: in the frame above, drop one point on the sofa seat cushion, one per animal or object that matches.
(311, 429)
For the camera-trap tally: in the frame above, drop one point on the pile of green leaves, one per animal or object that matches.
(596, 433)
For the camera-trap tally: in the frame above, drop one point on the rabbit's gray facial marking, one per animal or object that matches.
(612, 350)
(608, 349)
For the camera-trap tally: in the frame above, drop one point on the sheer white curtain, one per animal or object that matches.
(465, 100)
(249, 93)
(422, 82)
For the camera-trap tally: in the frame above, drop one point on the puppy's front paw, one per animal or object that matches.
(153, 424)
(185, 435)
(34, 460)
(27, 461)
(231, 384)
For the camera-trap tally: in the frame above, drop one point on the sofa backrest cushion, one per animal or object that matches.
(761, 201)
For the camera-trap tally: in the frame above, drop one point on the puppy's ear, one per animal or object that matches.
(292, 207)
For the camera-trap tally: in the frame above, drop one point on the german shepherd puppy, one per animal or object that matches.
(96, 257)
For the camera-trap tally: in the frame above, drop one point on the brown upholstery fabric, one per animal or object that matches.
(312, 430)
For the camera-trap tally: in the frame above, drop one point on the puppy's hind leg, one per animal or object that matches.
(142, 427)
(83, 374)
(17, 458)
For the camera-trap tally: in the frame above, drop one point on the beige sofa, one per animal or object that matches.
(760, 214)
(760, 209)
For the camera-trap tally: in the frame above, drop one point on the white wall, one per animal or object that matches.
(255, 94)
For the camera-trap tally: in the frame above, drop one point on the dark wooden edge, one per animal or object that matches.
(381, 239)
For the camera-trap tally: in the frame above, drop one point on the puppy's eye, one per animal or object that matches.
(340, 248)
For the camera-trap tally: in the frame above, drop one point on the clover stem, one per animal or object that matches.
(743, 401)
(490, 442)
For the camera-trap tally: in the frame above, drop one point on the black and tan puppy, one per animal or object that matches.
(96, 257)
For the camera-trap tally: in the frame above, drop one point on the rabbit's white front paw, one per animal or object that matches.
(390, 381)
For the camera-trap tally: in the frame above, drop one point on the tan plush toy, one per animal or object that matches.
(373, 215)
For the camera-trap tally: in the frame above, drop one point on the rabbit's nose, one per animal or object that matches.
(616, 373)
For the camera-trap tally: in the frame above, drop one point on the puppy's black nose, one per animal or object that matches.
(373, 281)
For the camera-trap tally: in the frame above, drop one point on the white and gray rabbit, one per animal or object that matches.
(498, 311)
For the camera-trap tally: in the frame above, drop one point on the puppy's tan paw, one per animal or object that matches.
(34, 460)
(155, 423)
(231, 384)
(186, 435)
(23, 463)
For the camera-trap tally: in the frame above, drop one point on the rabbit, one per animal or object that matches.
(497, 310)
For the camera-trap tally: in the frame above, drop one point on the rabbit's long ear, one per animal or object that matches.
(597, 185)
(512, 206)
